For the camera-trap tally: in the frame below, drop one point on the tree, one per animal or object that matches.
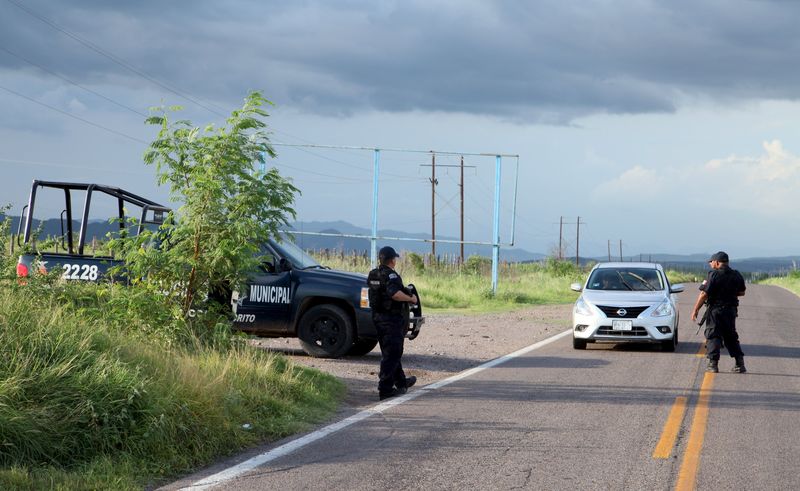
(228, 207)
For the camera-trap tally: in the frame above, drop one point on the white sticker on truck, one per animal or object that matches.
(83, 272)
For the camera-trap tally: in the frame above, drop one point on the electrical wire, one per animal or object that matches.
(65, 113)
(69, 166)
(114, 58)
(76, 84)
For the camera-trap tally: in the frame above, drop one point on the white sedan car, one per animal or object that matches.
(626, 302)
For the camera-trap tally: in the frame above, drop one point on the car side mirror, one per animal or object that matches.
(576, 287)
(284, 265)
(677, 288)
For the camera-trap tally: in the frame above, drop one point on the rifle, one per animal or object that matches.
(703, 318)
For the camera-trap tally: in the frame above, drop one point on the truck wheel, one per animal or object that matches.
(325, 331)
(362, 346)
(578, 343)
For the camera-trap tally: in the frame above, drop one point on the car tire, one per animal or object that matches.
(325, 331)
(362, 346)
(578, 343)
(670, 344)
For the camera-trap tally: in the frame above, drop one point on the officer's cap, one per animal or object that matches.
(719, 256)
(387, 253)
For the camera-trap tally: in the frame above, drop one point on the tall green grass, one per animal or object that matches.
(791, 281)
(88, 406)
(467, 288)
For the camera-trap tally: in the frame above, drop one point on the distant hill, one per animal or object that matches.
(360, 245)
(687, 262)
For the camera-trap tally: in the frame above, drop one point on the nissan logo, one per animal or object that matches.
(622, 312)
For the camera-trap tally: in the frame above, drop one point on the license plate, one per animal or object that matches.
(619, 325)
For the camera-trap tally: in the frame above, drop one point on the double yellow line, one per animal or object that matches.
(687, 475)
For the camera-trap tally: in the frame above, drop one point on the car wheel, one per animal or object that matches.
(362, 346)
(325, 331)
(578, 343)
(670, 344)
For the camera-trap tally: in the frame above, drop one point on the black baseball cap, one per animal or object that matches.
(719, 256)
(387, 253)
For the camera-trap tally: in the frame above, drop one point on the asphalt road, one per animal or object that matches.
(557, 418)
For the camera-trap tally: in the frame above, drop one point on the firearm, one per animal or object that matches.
(703, 318)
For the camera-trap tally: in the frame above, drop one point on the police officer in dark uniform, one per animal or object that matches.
(721, 290)
(386, 296)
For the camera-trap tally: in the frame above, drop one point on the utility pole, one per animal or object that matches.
(560, 238)
(462, 209)
(609, 250)
(620, 251)
(435, 182)
(578, 244)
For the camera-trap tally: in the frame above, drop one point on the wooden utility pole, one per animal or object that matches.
(578, 244)
(620, 251)
(560, 238)
(462, 209)
(609, 250)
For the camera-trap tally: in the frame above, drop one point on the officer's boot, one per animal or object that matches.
(712, 366)
(739, 367)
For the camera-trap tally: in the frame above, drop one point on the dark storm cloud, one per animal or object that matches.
(535, 61)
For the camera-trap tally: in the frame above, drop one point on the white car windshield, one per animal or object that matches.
(625, 279)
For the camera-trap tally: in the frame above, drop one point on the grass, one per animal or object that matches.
(86, 405)
(791, 282)
(467, 289)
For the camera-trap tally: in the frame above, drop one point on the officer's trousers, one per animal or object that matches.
(721, 330)
(391, 335)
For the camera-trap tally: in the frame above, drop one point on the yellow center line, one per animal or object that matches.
(701, 353)
(687, 476)
(670, 433)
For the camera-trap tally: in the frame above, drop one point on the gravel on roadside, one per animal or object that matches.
(447, 344)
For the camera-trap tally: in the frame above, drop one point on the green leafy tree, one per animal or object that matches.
(6, 259)
(228, 208)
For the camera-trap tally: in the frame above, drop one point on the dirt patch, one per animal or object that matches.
(447, 345)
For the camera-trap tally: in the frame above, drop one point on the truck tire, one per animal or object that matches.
(578, 343)
(325, 331)
(362, 346)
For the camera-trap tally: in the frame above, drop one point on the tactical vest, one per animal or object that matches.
(379, 300)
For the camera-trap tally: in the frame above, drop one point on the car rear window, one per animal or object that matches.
(625, 279)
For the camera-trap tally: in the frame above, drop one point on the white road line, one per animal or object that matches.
(259, 460)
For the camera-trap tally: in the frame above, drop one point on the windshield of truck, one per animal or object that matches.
(294, 254)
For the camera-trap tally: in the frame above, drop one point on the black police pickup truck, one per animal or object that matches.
(291, 295)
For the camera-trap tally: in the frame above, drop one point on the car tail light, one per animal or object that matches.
(22, 270)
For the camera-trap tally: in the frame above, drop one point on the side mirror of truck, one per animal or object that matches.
(284, 265)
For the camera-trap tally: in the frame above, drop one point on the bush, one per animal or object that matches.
(477, 265)
(561, 268)
(417, 262)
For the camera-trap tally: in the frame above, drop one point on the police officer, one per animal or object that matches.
(721, 290)
(386, 296)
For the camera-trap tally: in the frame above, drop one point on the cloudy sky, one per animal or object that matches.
(673, 126)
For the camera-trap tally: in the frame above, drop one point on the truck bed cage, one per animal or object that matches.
(120, 194)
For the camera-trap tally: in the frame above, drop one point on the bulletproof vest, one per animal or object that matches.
(379, 300)
(728, 284)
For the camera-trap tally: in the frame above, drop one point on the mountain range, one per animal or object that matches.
(687, 262)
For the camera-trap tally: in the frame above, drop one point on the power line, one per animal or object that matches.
(65, 113)
(69, 166)
(55, 74)
(114, 58)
